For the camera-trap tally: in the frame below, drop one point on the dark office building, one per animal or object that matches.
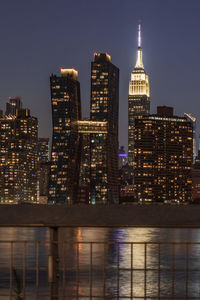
(43, 169)
(138, 98)
(65, 152)
(196, 186)
(13, 105)
(18, 158)
(122, 157)
(196, 178)
(43, 150)
(163, 157)
(125, 174)
(43, 173)
(104, 148)
(84, 129)
(197, 159)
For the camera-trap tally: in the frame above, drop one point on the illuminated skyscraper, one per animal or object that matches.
(104, 148)
(163, 157)
(138, 98)
(193, 120)
(65, 152)
(18, 158)
(13, 105)
(43, 150)
(91, 131)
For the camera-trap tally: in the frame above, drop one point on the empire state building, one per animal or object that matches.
(138, 97)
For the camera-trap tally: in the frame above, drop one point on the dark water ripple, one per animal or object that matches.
(111, 272)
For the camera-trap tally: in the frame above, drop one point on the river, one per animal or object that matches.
(117, 269)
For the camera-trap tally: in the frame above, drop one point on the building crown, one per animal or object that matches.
(139, 83)
(139, 63)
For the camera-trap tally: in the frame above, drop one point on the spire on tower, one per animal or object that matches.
(139, 35)
(139, 62)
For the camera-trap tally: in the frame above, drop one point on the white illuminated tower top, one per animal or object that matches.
(139, 62)
(139, 83)
(138, 97)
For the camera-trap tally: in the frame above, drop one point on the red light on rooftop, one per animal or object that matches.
(95, 53)
(61, 68)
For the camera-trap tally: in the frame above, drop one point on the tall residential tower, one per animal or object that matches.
(163, 157)
(18, 157)
(65, 152)
(138, 98)
(104, 147)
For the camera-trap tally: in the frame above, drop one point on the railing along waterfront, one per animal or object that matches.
(55, 270)
(61, 268)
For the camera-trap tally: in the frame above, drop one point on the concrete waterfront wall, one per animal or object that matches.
(154, 215)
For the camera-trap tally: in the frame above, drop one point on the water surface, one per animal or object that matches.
(106, 268)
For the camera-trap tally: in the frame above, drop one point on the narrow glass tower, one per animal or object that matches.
(104, 147)
(66, 144)
(138, 97)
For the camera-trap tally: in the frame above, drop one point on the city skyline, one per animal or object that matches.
(171, 51)
(99, 166)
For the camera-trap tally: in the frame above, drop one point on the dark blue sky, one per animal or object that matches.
(37, 37)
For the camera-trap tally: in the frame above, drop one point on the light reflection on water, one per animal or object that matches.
(112, 254)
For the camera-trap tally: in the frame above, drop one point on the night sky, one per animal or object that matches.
(39, 37)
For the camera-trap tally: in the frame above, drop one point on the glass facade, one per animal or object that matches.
(91, 169)
(104, 183)
(65, 152)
